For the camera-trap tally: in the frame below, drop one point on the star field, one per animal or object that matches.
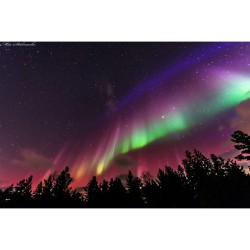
(105, 108)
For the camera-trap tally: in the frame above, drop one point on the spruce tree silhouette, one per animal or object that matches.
(199, 182)
(64, 196)
(76, 200)
(61, 190)
(186, 195)
(236, 173)
(242, 141)
(104, 193)
(38, 195)
(238, 188)
(134, 190)
(218, 192)
(174, 191)
(150, 191)
(7, 197)
(56, 192)
(18, 196)
(47, 197)
(93, 193)
(22, 194)
(198, 170)
(117, 196)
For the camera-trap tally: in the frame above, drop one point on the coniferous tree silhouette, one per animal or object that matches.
(134, 190)
(7, 197)
(200, 182)
(63, 194)
(22, 194)
(56, 192)
(198, 170)
(93, 193)
(242, 141)
(186, 194)
(19, 195)
(61, 190)
(104, 193)
(174, 191)
(150, 191)
(117, 195)
(38, 194)
(238, 188)
(218, 192)
(47, 197)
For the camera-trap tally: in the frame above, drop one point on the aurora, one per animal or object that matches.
(165, 118)
(106, 108)
(233, 91)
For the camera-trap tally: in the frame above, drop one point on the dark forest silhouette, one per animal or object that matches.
(200, 182)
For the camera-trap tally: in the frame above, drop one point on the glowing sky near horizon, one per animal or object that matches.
(104, 109)
(225, 94)
(233, 91)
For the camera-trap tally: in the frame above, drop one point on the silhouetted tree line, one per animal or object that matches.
(200, 182)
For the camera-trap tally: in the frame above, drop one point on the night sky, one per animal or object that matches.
(106, 108)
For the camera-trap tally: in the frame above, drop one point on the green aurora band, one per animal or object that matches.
(228, 94)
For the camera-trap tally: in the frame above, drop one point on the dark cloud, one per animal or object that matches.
(125, 161)
(31, 159)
